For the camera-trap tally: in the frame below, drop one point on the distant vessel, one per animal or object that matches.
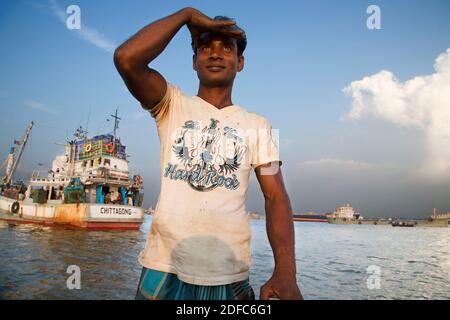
(87, 187)
(344, 215)
(434, 220)
(347, 215)
(309, 217)
(404, 223)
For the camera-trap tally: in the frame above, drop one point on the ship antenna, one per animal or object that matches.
(87, 122)
(116, 126)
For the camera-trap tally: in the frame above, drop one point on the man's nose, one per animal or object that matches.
(216, 53)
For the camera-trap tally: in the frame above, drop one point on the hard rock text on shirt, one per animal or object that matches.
(207, 177)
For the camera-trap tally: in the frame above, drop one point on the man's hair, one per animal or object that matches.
(241, 42)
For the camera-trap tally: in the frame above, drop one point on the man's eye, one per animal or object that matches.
(204, 49)
(227, 49)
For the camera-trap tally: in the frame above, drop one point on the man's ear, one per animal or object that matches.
(194, 62)
(241, 61)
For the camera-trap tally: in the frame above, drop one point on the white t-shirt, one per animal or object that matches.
(200, 229)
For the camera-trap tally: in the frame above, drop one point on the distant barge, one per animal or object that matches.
(309, 217)
(347, 215)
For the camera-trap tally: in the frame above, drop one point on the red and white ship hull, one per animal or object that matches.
(83, 215)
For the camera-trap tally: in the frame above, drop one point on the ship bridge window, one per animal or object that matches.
(107, 162)
(84, 164)
(92, 163)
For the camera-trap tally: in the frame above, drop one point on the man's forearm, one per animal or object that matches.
(150, 41)
(280, 231)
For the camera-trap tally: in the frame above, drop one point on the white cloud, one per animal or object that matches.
(422, 102)
(351, 164)
(86, 33)
(39, 106)
(96, 38)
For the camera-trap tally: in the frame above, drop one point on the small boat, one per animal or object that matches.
(403, 223)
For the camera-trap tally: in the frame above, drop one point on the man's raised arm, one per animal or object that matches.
(133, 56)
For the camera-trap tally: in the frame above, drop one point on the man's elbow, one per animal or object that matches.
(122, 60)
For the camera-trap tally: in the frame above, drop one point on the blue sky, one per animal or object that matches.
(300, 57)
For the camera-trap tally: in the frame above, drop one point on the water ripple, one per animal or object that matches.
(333, 261)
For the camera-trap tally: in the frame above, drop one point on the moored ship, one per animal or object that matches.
(344, 215)
(309, 217)
(89, 186)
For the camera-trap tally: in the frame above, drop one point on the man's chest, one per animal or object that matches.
(208, 151)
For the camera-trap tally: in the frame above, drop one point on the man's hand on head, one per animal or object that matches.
(200, 23)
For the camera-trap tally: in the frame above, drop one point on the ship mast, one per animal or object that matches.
(79, 134)
(7, 179)
(116, 126)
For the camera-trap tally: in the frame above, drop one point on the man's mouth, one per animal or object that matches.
(215, 68)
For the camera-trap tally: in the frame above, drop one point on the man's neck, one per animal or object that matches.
(217, 96)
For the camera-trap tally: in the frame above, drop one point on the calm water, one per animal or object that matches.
(332, 261)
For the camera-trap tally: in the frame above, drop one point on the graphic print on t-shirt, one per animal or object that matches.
(206, 159)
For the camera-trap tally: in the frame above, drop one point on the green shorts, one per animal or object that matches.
(157, 285)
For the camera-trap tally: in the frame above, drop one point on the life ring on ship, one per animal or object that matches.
(138, 179)
(15, 207)
(87, 147)
(109, 147)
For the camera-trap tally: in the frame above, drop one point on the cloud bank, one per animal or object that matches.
(352, 164)
(422, 102)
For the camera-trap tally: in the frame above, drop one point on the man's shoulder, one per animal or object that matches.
(255, 117)
(179, 94)
(174, 90)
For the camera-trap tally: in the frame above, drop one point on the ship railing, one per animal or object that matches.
(37, 174)
(38, 179)
(124, 182)
(112, 169)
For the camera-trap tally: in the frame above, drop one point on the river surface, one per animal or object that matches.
(333, 261)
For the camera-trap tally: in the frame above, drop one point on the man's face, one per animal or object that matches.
(217, 61)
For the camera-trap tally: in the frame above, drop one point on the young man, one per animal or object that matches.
(199, 242)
